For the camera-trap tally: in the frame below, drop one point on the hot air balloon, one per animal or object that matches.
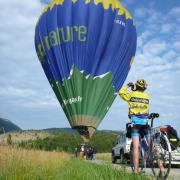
(86, 48)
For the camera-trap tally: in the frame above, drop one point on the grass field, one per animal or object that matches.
(19, 164)
(104, 156)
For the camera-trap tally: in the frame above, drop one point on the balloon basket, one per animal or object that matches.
(85, 132)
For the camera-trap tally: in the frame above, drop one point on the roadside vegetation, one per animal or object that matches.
(60, 141)
(20, 164)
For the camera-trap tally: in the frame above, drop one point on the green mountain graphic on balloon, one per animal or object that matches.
(85, 99)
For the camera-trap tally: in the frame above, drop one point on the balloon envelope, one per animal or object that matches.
(86, 48)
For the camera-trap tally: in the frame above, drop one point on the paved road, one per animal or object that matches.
(174, 172)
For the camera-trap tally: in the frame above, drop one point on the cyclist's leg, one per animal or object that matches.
(135, 139)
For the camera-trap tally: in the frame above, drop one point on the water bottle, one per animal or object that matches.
(144, 144)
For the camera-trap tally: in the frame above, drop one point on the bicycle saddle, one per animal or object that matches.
(153, 115)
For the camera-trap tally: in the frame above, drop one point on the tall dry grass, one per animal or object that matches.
(31, 164)
(20, 164)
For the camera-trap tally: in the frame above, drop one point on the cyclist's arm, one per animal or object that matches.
(123, 92)
(149, 102)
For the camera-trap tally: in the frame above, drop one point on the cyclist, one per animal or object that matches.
(138, 101)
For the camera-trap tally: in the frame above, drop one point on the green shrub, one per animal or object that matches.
(64, 141)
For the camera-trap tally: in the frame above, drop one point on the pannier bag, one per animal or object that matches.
(128, 130)
(172, 136)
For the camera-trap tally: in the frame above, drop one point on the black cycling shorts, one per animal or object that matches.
(140, 130)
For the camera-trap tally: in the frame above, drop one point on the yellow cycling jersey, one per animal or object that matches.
(138, 102)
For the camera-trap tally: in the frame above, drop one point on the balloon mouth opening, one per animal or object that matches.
(85, 132)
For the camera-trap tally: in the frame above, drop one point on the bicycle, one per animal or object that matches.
(157, 154)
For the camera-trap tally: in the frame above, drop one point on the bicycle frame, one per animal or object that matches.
(159, 152)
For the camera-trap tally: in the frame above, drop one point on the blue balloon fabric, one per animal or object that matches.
(96, 36)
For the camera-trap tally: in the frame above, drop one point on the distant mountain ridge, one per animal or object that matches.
(7, 126)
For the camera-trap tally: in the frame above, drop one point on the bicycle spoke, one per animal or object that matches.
(161, 157)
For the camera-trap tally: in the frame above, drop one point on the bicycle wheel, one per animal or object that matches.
(160, 156)
(141, 162)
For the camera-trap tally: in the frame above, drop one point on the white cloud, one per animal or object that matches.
(171, 54)
(140, 12)
(174, 12)
(166, 28)
(45, 1)
(155, 47)
(176, 45)
(12, 91)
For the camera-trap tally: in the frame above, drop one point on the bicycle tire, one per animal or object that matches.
(160, 154)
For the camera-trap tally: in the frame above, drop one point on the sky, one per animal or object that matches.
(26, 97)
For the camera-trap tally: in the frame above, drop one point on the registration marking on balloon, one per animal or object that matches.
(118, 21)
(72, 100)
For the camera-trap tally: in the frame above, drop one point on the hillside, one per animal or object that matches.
(74, 131)
(59, 139)
(69, 130)
(7, 126)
